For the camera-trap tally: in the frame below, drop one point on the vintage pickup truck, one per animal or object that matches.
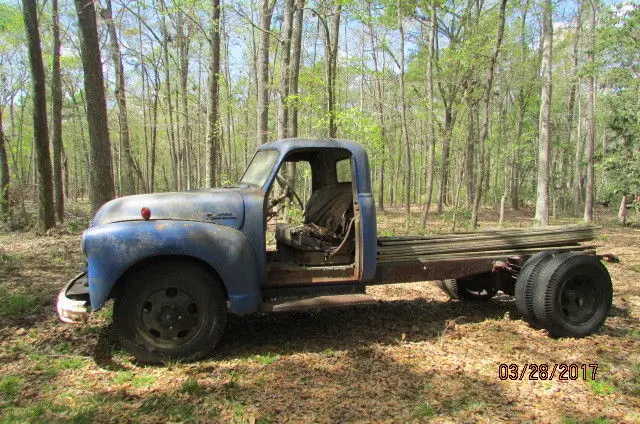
(177, 263)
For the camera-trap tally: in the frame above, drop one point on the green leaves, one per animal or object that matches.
(11, 28)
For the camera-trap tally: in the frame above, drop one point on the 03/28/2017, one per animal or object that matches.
(564, 372)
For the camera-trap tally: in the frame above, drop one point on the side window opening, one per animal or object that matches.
(343, 171)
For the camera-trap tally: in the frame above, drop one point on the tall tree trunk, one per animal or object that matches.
(405, 129)
(285, 62)
(331, 35)
(469, 152)
(515, 165)
(286, 34)
(333, 57)
(169, 102)
(571, 101)
(623, 211)
(522, 107)
(154, 131)
(213, 111)
(488, 86)
(591, 121)
(100, 165)
(4, 172)
(472, 110)
(431, 142)
(522, 104)
(515, 162)
(46, 214)
(296, 53)
(184, 42)
(262, 63)
(544, 142)
(128, 166)
(444, 165)
(230, 109)
(577, 166)
(56, 110)
(145, 108)
(378, 94)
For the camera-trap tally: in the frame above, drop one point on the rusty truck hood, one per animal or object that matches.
(224, 206)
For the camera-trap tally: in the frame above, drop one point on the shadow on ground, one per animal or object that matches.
(283, 333)
(384, 322)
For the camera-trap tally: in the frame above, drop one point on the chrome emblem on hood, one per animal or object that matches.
(219, 215)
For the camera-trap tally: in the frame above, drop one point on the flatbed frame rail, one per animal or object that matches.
(436, 257)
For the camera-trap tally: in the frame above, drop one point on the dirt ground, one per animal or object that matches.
(414, 356)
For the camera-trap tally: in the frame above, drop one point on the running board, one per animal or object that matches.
(318, 302)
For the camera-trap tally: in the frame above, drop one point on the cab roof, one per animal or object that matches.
(288, 144)
(358, 153)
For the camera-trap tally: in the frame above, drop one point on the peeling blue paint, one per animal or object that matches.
(114, 248)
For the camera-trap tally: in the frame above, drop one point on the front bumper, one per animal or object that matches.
(73, 300)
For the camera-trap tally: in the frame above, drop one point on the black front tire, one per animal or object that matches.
(174, 310)
(573, 295)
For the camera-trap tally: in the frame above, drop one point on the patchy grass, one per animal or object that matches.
(10, 387)
(267, 359)
(167, 406)
(192, 387)
(9, 261)
(424, 410)
(330, 352)
(17, 305)
(598, 420)
(414, 356)
(600, 387)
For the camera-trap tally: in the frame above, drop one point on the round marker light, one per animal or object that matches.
(146, 213)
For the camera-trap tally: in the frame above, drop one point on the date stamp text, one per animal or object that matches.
(562, 372)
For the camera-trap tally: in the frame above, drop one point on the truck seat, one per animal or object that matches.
(326, 219)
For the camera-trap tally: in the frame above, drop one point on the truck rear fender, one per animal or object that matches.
(116, 248)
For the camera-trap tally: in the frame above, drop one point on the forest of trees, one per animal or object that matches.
(460, 103)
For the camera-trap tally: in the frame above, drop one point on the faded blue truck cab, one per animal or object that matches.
(221, 228)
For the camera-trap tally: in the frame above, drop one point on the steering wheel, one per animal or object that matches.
(288, 192)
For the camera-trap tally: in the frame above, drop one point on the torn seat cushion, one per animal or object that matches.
(326, 219)
(331, 208)
(306, 237)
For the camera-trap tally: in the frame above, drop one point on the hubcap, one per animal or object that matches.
(578, 300)
(169, 317)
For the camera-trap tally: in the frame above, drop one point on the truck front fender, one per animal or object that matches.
(114, 248)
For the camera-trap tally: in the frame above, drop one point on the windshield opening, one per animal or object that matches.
(260, 167)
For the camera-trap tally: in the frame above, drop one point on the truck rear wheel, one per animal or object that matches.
(175, 310)
(477, 287)
(572, 295)
(526, 281)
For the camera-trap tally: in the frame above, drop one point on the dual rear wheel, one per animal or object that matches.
(568, 293)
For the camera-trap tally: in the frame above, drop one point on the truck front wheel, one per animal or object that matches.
(173, 310)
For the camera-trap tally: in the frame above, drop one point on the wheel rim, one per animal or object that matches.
(578, 300)
(477, 288)
(481, 292)
(169, 317)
